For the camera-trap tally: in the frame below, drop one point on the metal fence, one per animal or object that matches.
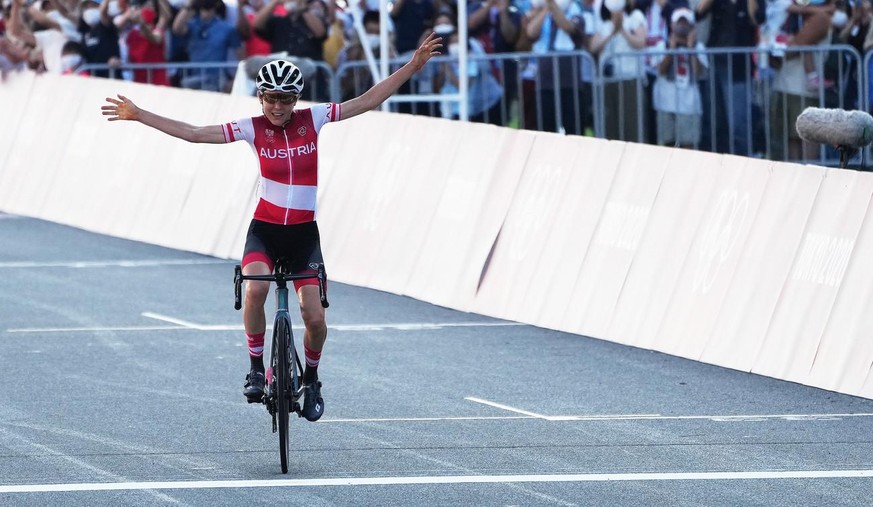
(741, 101)
(213, 76)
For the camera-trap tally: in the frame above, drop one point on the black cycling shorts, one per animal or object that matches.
(298, 244)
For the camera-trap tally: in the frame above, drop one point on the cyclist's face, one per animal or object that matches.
(278, 107)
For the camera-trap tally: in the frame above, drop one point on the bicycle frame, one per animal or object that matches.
(281, 277)
(282, 394)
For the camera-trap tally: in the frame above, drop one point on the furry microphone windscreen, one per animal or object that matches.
(836, 127)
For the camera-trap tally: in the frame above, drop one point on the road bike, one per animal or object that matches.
(283, 387)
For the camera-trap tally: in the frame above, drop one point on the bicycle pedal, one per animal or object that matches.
(255, 400)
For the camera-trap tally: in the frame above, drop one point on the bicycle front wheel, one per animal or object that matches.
(281, 369)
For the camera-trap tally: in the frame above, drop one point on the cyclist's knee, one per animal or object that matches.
(256, 292)
(313, 319)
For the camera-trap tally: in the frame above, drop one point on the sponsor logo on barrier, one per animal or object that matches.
(720, 235)
(537, 204)
(304, 149)
(823, 260)
(622, 225)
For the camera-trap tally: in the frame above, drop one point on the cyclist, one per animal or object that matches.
(285, 141)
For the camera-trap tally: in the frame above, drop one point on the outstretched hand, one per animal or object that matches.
(428, 49)
(121, 108)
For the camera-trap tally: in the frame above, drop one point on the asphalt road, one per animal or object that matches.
(122, 371)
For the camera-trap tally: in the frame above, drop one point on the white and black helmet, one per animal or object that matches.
(280, 76)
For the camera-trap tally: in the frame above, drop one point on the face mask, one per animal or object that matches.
(70, 62)
(91, 16)
(444, 28)
(113, 9)
(614, 5)
(682, 30)
(373, 40)
(839, 19)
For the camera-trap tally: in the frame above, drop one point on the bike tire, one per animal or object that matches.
(281, 371)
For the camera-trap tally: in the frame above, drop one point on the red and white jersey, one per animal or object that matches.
(288, 160)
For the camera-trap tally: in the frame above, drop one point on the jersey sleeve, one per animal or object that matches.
(239, 130)
(324, 113)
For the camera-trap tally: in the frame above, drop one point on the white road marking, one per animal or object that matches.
(449, 479)
(91, 329)
(424, 419)
(659, 417)
(184, 324)
(106, 264)
(505, 407)
(172, 320)
(77, 462)
(555, 418)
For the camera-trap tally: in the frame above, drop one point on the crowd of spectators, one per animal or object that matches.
(675, 92)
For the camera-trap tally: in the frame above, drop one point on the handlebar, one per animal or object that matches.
(280, 277)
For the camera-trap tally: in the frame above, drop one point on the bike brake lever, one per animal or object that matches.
(237, 287)
(322, 291)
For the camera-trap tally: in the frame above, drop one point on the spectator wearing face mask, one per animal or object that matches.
(254, 44)
(146, 41)
(357, 9)
(357, 79)
(496, 24)
(676, 96)
(557, 26)
(621, 29)
(72, 59)
(209, 38)
(483, 90)
(300, 31)
(46, 40)
(99, 35)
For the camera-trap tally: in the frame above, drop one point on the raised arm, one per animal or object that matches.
(262, 17)
(314, 17)
(372, 98)
(123, 108)
(17, 27)
(536, 18)
(180, 24)
(243, 27)
(561, 20)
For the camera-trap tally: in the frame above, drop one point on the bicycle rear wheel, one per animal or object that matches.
(281, 368)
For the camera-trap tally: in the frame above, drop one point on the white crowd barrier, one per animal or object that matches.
(747, 264)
